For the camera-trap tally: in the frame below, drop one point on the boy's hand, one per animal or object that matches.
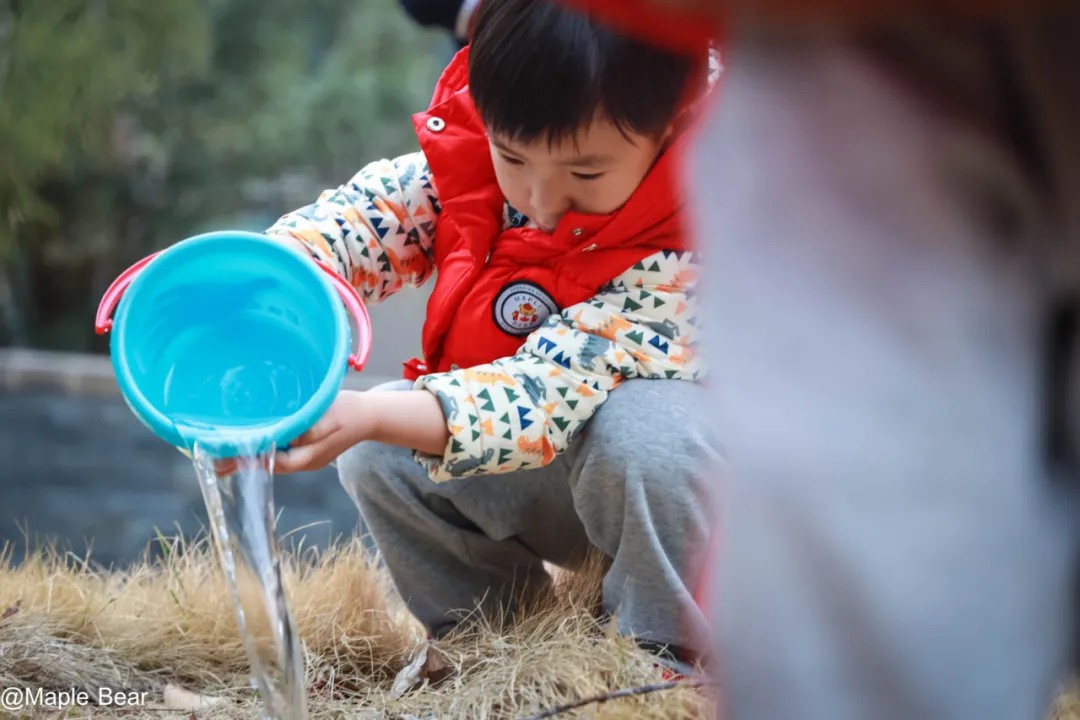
(347, 422)
(411, 419)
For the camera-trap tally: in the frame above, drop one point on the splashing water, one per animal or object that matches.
(240, 503)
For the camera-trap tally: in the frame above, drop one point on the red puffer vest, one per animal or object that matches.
(493, 286)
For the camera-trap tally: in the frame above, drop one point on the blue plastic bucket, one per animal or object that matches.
(231, 340)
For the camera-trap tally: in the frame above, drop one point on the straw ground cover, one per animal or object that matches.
(167, 628)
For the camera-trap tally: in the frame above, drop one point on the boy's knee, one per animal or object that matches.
(647, 454)
(658, 423)
(650, 440)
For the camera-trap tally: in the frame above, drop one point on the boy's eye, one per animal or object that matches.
(511, 160)
(588, 176)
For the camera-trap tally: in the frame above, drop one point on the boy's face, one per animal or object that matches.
(595, 172)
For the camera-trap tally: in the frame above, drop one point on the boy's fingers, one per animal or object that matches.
(311, 451)
(317, 432)
(225, 467)
(295, 460)
(305, 438)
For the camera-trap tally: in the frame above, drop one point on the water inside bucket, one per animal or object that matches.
(226, 383)
(240, 505)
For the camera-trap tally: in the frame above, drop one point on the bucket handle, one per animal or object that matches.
(353, 303)
(103, 320)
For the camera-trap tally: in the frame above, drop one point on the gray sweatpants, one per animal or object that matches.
(632, 484)
(893, 226)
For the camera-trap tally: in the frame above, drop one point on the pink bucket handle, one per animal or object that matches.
(353, 303)
(103, 320)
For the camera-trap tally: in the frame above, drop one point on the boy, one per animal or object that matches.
(555, 407)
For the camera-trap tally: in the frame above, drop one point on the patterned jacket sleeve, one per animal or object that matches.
(377, 230)
(521, 411)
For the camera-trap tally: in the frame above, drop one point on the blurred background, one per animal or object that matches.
(126, 126)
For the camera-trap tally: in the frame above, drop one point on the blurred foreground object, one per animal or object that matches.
(893, 224)
(687, 22)
(892, 220)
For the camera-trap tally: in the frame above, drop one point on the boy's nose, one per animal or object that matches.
(549, 203)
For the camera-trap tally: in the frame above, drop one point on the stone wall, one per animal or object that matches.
(77, 466)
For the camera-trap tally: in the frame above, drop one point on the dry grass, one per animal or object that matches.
(64, 624)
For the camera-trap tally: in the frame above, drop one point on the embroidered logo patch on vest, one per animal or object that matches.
(521, 307)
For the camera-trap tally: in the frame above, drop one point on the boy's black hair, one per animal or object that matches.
(538, 70)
